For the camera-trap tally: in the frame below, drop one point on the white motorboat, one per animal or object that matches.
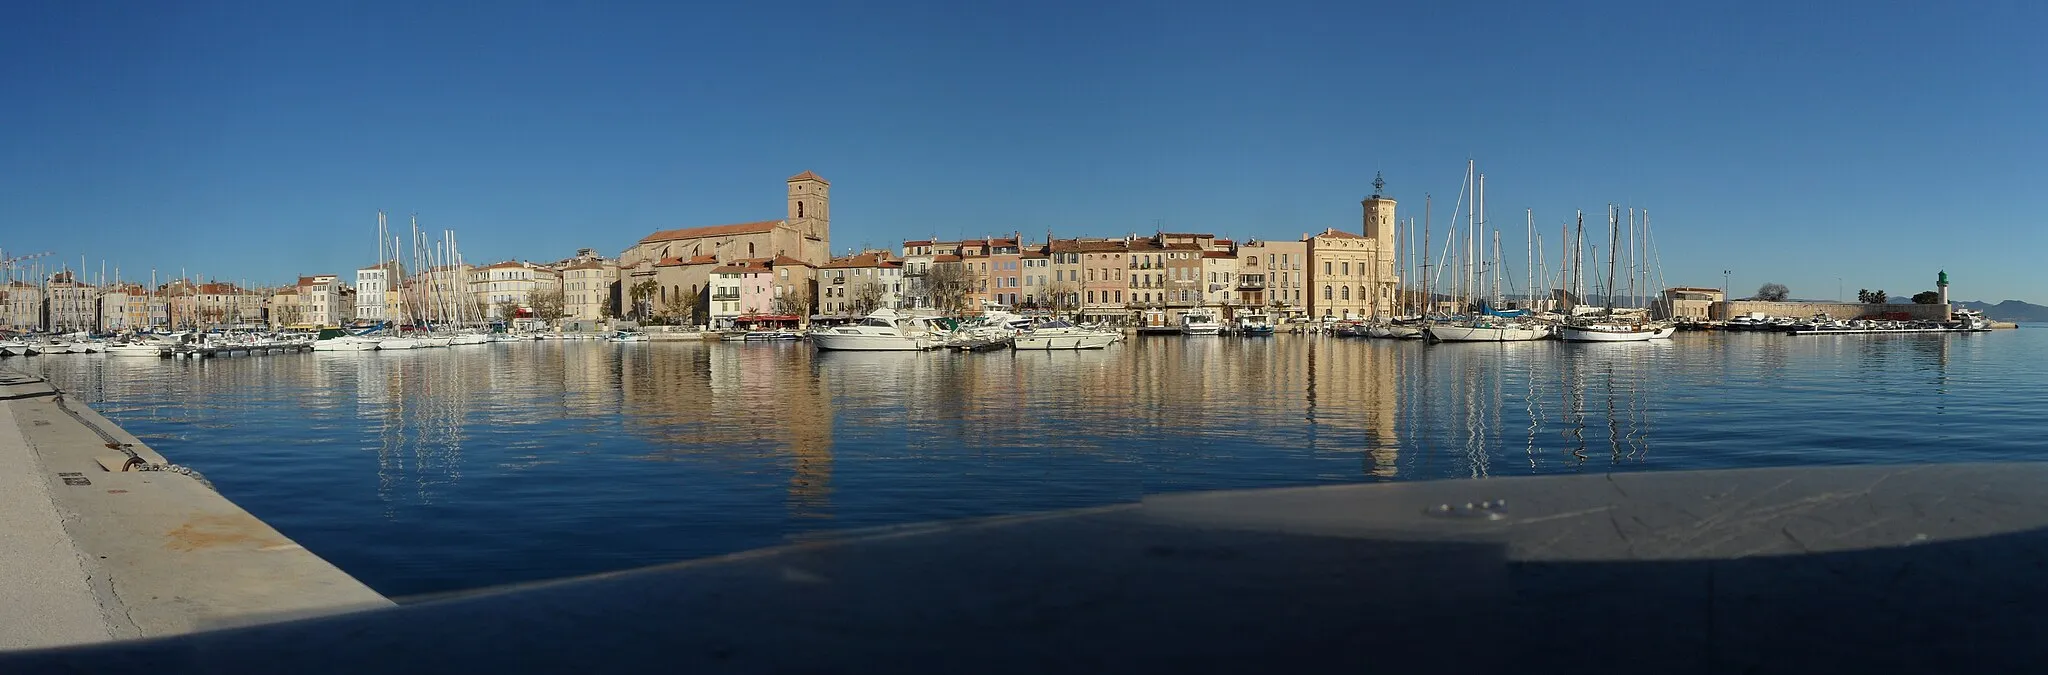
(14, 348)
(882, 331)
(1485, 332)
(1199, 323)
(506, 337)
(346, 343)
(1615, 332)
(54, 348)
(137, 349)
(1062, 335)
(390, 343)
(468, 339)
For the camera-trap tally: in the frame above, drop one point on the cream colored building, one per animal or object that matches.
(1219, 282)
(283, 309)
(21, 306)
(1689, 302)
(512, 281)
(324, 301)
(840, 282)
(1352, 276)
(1274, 274)
(588, 288)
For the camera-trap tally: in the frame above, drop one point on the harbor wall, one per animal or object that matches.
(1838, 310)
(101, 538)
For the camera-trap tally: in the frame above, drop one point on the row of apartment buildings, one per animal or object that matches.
(776, 271)
(780, 271)
(60, 303)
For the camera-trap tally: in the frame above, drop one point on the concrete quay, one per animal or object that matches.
(96, 546)
(1914, 569)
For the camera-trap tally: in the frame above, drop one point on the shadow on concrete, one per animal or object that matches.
(1149, 589)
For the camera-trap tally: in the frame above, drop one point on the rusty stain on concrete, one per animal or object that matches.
(221, 531)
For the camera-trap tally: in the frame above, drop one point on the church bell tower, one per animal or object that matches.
(810, 209)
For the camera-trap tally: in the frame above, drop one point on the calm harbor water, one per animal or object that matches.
(439, 470)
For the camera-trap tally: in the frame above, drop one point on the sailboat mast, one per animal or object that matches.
(1471, 232)
(1613, 231)
(1496, 269)
(1632, 297)
(1427, 218)
(1530, 244)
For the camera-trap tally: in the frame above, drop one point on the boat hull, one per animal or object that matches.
(868, 343)
(1484, 333)
(344, 345)
(1577, 334)
(1202, 330)
(398, 343)
(138, 351)
(1062, 342)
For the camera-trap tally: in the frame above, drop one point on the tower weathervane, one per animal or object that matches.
(1379, 183)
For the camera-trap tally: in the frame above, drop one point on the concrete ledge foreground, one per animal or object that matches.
(1834, 569)
(91, 555)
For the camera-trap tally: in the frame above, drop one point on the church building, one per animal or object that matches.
(804, 234)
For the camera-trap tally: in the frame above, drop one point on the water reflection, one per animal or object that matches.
(444, 468)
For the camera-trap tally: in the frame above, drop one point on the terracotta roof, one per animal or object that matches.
(1184, 247)
(786, 260)
(862, 260)
(918, 242)
(1090, 246)
(945, 257)
(1219, 254)
(305, 281)
(1224, 242)
(1335, 233)
(711, 231)
(1034, 253)
(503, 265)
(735, 269)
(807, 176)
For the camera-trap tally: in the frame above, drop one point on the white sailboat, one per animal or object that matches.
(1479, 328)
(1610, 326)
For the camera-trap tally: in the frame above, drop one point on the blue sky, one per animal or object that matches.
(1795, 144)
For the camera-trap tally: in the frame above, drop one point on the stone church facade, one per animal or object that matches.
(805, 233)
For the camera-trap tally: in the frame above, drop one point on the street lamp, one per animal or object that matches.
(1724, 282)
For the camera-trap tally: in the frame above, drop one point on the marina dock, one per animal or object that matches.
(104, 539)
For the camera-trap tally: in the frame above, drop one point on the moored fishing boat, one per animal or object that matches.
(1200, 322)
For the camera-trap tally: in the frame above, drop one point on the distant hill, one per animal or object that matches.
(2010, 310)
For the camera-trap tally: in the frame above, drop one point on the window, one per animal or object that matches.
(1119, 296)
(1346, 292)
(1327, 291)
(1347, 269)
(799, 209)
(1326, 267)
(1091, 296)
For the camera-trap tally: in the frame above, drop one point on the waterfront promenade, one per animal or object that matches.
(92, 554)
